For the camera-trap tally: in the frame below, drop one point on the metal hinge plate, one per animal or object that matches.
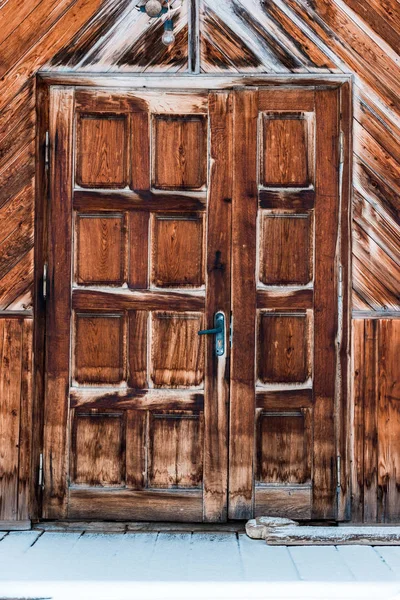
(47, 150)
(339, 473)
(341, 147)
(45, 269)
(40, 474)
(340, 290)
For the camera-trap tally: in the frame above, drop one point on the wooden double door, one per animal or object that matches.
(167, 207)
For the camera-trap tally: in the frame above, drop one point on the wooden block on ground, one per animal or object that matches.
(326, 536)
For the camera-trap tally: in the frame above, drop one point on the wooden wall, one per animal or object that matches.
(266, 36)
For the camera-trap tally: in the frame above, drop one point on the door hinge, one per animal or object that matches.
(340, 282)
(40, 473)
(47, 150)
(230, 330)
(339, 474)
(45, 269)
(341, 147)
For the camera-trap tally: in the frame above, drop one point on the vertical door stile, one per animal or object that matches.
(58, 304)
(244, 219)
(218, 298)
(326, 303)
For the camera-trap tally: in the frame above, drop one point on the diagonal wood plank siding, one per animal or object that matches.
(266, 36)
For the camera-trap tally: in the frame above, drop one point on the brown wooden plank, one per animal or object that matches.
(60, 32)
(284, 399)
(141, 100)
(134, 399)
(130, 505)
(291, 100)
(97, 455)
(140, 151)
(178, 251)
(285, 150)
(286, 249)
(17, 281)
(371, 423)
(377, 15)
(325, 302)
(99, 349)
(218, 299)
(102, 101)
(100, 249)
(11, 352)
(101, 153)
(287, 299)
(136, 441)
(85, 200)
(138, 244)
(175, 450)
(41, 219)
(287, 199)
(282, 448)
(177, 352)
(29, 30)
(344, 404)
(293, 502)
(358, 382)
(87, 300)
(26, 425)
(348, 41)
(388, 394)
(244, 216)
(12, 13)
(137, 353)
(180, 148)
(59, 304)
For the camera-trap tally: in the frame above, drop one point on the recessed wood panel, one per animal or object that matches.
(99, 349)
(97, 449)
(138, 249)
(137, 357)
(282, 347)
(177, 251)
(100, 249)
(285, 150)
(101, 151)
(177, 350)
(175, 451)
(180, 152)
(282, 448)
(286, 255)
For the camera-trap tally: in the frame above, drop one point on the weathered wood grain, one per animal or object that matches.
(244, 217)
(219, 242)
(59, 307)
(15, 417)
(275, 37)
(325, 302)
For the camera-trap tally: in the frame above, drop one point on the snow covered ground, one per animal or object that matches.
(122, 566)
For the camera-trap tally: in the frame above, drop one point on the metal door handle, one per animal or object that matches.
(219, 332)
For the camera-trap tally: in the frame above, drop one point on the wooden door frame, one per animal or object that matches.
(189, 82)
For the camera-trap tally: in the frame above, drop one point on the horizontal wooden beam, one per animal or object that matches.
(287, 199)
(131, 399)
(291, 501)
(192, 82)
(292, 100)
(127, 505)
(292, 299)
(284, 399)
(93, 300)
(90, 200)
